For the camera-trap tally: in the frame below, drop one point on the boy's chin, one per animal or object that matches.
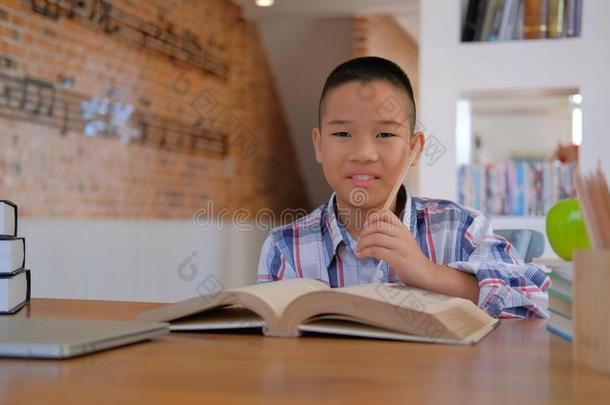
(362, 199)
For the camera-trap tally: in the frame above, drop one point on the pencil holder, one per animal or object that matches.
(591, 308)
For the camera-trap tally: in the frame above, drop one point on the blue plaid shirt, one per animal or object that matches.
(318, 246)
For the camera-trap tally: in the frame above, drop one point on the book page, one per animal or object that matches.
(231, 317)
(267, 300)
(390, 306)
(402, 296)
(337, 326)
(277, 295)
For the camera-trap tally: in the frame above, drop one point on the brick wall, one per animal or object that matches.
(381, 35)
(139, 109)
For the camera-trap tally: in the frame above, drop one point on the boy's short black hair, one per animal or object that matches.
(365, 70)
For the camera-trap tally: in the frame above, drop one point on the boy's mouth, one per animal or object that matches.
(362, 179)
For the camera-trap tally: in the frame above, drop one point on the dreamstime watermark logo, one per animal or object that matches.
(433, 149)
(391, 109)
(358, 197)
(242, 219)
(213, 293)
(367, 92)
(217, 117)
(410, 309)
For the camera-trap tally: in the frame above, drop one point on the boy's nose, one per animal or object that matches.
(363, 151)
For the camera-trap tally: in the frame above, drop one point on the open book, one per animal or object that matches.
(289, 308)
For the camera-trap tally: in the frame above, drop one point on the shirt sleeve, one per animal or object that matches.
(272, 265)
(507, 287)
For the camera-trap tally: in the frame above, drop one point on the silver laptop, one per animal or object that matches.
(60, 338)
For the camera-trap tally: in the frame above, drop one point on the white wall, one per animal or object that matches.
(137, 260)
(302, 52)
(449, 68)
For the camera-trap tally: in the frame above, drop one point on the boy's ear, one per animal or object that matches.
(316, 139)
(418, 139)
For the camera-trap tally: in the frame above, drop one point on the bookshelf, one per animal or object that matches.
(508, 20)
(450, 68)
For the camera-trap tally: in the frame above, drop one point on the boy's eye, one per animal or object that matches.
(341, 134)
(385, 135)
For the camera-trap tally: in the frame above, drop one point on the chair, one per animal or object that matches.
(528, 242)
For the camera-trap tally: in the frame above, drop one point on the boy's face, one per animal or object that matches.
(364, 141)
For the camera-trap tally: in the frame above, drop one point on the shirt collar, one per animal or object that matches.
(334, 232)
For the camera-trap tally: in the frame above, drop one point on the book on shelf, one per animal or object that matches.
(15, 290)
(560, 290)
(560, 295)
(573, 17)
(8, 219)
(560, 302)
(503, 20)
(517, 188)
(535, 19)
(561, 325)
(290, 308)
(474, 13)
(555, 18)
(490, 24)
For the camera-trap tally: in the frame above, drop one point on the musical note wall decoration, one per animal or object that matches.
(7, 62)
(160, 36)
(38, 101)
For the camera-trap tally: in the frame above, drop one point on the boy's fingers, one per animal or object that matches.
(379, 253)
(377, 239)
(382, 216)
(380, 227)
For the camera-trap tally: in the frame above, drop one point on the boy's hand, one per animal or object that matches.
(386, 238)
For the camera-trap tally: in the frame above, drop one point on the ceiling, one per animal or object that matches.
(329, 8)
(406, 12)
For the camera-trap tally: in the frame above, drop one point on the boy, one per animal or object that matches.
(436, 245)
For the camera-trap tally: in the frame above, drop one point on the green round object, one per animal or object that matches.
(565, 228)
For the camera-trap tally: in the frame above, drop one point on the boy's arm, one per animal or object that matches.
(507, 286)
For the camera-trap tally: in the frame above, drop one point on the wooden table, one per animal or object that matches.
(519, 363)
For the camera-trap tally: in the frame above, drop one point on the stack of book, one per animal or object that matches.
(15, 284)
(560, 296)
(503, 20)
(516, 187)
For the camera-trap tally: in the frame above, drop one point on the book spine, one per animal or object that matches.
(483, 5)
(10, 205)
(578, 18)
(502, 32)
(513, 12)
(555, 21)
(539, 185)
(470, 22)
(494, 34)
(535, 19)
(519, 23)
(559, 332)
(489, 19)
(28, 294)
(9, 272)
(511, 189)
(520, 205)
